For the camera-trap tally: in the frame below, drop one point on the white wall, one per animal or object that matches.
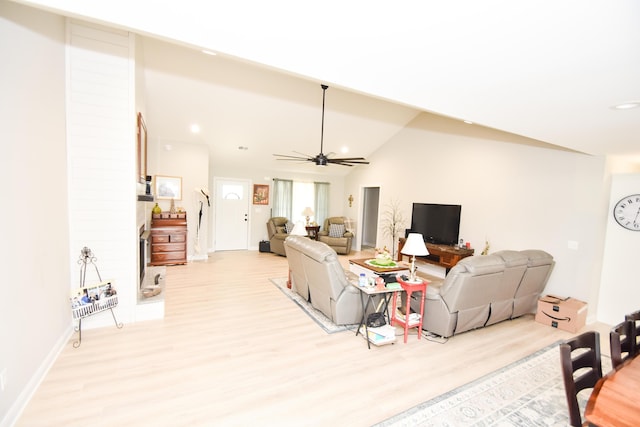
(35, 319)
(619, 292)
(191, 163)
(260, 214)
(516, 196)
(101, 140)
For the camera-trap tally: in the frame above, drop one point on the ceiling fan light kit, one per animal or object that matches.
(322, 159)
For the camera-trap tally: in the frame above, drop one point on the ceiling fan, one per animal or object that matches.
(323, 159)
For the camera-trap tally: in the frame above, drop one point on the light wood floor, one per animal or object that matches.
(233, 350)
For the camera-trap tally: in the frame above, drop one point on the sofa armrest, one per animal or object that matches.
(433, 290)
(352, 277)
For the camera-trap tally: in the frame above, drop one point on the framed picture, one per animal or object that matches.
(142, 150)
(260, 194)
(168, 187)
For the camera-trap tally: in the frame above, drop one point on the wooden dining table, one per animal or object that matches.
(615, 400)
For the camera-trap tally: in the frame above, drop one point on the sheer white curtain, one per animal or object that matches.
(282, 198)
(321, 190)
(303, 198)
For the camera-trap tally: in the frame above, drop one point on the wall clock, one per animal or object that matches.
(627, 212)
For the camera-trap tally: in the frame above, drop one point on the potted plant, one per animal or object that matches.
(393, 224)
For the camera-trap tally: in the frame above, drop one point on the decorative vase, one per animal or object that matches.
(156, 209)
(172, 209)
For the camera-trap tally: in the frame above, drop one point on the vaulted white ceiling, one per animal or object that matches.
(547, 70)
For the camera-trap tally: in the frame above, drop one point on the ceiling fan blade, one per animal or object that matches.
(349, 159)
(354, 162)
(287, 157)
(303, 154)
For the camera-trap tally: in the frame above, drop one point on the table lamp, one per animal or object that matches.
(414, 245)
(307, 212)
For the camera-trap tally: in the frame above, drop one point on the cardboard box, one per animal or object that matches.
(568, 314)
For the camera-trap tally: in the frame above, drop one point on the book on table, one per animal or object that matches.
(414, 318)
(385, 334)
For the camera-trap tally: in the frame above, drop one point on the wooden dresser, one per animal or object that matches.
(168, 239)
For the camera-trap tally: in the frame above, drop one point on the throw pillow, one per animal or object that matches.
(289, 227)
(336, 230)
(281, 229)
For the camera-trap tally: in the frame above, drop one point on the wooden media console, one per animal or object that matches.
(445, 256)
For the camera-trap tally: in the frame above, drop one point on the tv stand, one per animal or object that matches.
(446, 256)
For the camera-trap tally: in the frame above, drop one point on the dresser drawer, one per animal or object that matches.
(168, 258)
(167, 247)
(178, 238)
(159, 238)
(169, 238)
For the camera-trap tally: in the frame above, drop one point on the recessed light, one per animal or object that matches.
(627, 105)
(469, 122)
(195, 128)
(209, 52)
(344, 149)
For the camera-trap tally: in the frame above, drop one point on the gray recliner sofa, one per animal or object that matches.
(485, 289)
(317, 275)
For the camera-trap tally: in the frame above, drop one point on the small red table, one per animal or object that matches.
(409, 288)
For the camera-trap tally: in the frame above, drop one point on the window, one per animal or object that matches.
(303, 196)
(291, 198)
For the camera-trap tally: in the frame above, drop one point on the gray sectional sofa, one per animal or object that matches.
(484, 289)
(317, 275)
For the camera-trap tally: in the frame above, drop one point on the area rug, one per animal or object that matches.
(323, 321)
(529, 392)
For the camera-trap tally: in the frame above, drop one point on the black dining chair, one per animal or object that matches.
(622, 339)
(580, 356)
(635, 318)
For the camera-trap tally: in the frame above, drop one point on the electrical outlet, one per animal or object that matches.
(3, 379)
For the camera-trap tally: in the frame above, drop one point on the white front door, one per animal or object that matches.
(232, 214)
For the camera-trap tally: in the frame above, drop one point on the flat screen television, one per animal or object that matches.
(439, 224)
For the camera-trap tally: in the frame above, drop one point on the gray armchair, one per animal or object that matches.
(335, 234)
(277, 233)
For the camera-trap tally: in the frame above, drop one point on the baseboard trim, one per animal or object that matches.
(27, 393)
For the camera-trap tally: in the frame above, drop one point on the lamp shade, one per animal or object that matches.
(414, 245)
(307, 211)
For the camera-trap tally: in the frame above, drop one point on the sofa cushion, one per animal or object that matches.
(512, 258)
(279, 220)
(537, 257)
(333, 241)
(336, 230)
(482, 264)
(288, 227)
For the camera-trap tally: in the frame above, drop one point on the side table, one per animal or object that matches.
(406, 323)
(312, 231)
(370, 292)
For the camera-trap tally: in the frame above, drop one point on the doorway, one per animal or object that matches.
(232, 200)
(370, 203)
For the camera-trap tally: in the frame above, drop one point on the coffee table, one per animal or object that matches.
(364, 265)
